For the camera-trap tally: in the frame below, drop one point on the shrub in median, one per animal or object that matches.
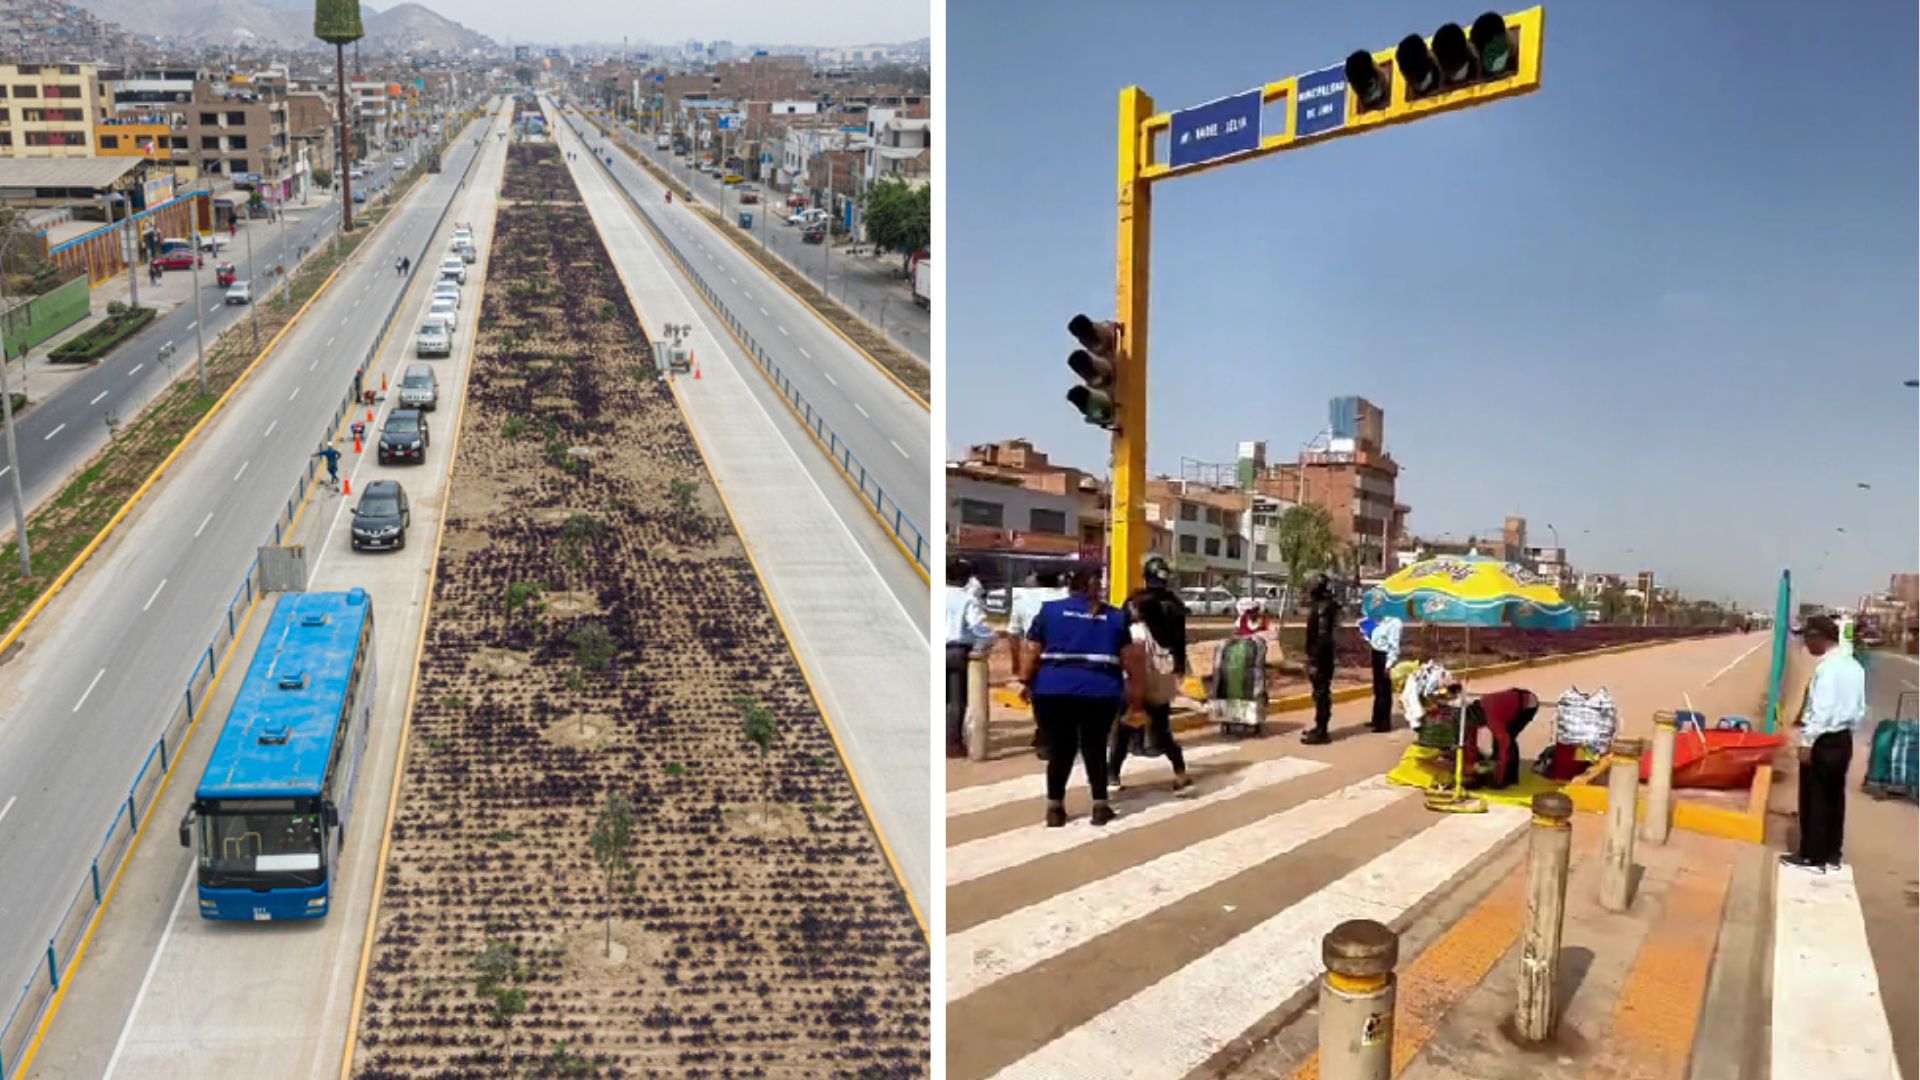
(121, 323)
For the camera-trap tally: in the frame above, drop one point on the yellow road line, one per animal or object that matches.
(775, 278)
(1658, 1011)
(139, 833)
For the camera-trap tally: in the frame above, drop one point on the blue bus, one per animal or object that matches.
(270, 815)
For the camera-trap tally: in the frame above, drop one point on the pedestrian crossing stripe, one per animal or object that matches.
(1003, 851)
(979, 797)
(1177, 1024)
(981, 955)
(1829, 1020)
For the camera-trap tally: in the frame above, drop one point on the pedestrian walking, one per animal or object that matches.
(1158, 625)
(1834, 705)
(332, 457)
(406, 265)
(1383, 642)
(967, 632)
(1042, 588)
(1237, 685)
(1080, 664)
(1250, 619)
(1323, 621)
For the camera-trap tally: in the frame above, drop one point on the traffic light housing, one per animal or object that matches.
(1454, 59)
(1094, 362)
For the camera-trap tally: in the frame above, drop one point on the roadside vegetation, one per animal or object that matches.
(625, 844)
(121, 323)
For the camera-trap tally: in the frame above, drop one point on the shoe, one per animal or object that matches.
(1182, 783)
(1383, 728)
(1102, 813)
(1056, 816)
(956, 749)
(1799, 862)
(1315, 737)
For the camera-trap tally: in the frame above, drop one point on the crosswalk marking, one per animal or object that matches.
(1175, 1025)
(992, 854)
(1828, 1018)
(981, 955)
(972, 800)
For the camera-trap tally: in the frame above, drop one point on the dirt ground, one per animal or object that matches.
(595, 629)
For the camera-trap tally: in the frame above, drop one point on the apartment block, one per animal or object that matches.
(50, 110)
(1347, 471)
(238, 134)
(1008, 497)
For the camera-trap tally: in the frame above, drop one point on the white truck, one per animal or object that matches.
(923, 283)
(662, 141)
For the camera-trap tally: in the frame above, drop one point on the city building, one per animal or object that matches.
(238, 134)
(50, 110)
(1346, 471)
(1007, 497)
(897, 144)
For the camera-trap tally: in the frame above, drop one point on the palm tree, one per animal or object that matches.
(337, 22)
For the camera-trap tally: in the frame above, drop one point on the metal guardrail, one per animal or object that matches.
(890, 513)
(63, 945)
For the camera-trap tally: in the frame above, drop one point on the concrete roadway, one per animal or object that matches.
(855, 613)
(888, 430)
(95, 678)
(167, 994)
(861, 286)
(61, 433)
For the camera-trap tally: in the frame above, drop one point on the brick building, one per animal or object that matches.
(237, 134)
(1008, 497)
(1348, 473)
(50, 110)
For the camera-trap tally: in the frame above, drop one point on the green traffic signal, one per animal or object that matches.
(1493, 45)
(1455, 59)
(1366, 82)
(1093, 363)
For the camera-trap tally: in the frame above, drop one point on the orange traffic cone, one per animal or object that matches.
(691, 355)
(383, 382)
(356, 444)
(346, 485)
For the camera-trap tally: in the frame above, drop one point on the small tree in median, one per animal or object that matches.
(612, 841)
(757, 720)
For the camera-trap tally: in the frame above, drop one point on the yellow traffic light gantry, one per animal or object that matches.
(1490, 59)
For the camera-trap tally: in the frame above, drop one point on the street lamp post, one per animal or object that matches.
(253, 286)
(199, 335)
(6, 415)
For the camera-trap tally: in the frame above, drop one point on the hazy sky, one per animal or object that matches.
(842, 22)
(1666, 303)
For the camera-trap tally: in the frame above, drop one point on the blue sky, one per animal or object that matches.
(1665, 303)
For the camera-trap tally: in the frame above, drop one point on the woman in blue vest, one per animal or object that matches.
(1079, 665)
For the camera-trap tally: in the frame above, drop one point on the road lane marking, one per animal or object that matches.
(9, 806)
(213, 309)
(166, 347)
(97, 397)
(203, 524)
(902, 449)
(330, 341)
(1735, 662)
(296, 390)
(992, 854)
(861, 411)
(243, 470)
(52, 433)
(783, 332)
(830, 378)
(805, 353)
(315, 364)
(972, 800)
(746, 294)
(193, 324)
(155, 596)
(763, 311)
(146, 983)
(982, 955)
(88, 692)
(136, 369)
(736, 281)
(6, 470)
(1823, 971)
(1192, 1014)
(270, 428)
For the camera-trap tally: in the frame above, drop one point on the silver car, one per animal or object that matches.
(433, 340)
(419, 389)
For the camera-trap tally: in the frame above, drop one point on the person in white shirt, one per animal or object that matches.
(1835, 704)
(1045, 585)
(967, 632)
(1383, 641)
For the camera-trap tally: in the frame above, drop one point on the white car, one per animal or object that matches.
(447, 309)
(240, 292)
(807, 217)
(465, 252)
(453, 268)
(1208, 601)
(356, 173)
(399, 163)
(447, 290)
(433, 340)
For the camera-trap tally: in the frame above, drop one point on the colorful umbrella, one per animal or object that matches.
(1470, 590)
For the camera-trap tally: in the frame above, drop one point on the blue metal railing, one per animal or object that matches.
(889, 512)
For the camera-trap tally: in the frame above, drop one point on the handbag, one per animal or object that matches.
(1162, 685)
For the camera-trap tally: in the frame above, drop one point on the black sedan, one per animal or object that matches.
(381, 519)
(404, 437)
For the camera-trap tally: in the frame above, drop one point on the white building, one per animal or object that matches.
(896, 144)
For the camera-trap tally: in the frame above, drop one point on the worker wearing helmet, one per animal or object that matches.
(1158, 623)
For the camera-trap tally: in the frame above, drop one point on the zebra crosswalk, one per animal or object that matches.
(1178, 928)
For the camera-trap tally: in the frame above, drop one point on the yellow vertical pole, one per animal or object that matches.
(1127, 525)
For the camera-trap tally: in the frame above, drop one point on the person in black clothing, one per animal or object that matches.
(1158, 608)
(1323, 621)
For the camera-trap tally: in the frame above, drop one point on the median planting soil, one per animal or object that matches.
(625, 843)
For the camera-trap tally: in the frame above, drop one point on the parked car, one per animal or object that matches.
(465, 250)
(240, 292)
(445, 309)
(177, 259)
(807, 216)
(733, 178)
(447, 289)
(357, 173)
(452, 269)
(381, 519)
(359, 195)
(404, 436)
(1208, 601)
(399, 163)
(433, 340)
(749, 195)
(419, 389)
(208, 242)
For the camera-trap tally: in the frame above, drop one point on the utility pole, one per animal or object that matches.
(199, 334)
(6, 414)
(253, 289)
(131, 245)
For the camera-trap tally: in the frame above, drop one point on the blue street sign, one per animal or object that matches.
(1320, 102)
(1217, 129)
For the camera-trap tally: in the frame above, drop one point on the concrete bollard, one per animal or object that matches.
(979, 707)
(1659, 820)
(1548, 846)
(1623, 790)
(1356, 1001)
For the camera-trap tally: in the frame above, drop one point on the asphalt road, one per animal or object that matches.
(875, 296)
(888, 430)
(96, 677)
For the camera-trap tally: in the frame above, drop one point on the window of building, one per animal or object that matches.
(236, 142)
(1189, 512)
(6, 138)
(1213, 515)
(1052, 522)
(209, 142)
(208, 119)
(180, 142)
(977, 512)
(1189, 545)
(236, 118)
(63, 92)
(26, 92)
(1260, 552)
(1235, 549)
(32, 116)
(109, 142)
(1213, 546)
(56, 138)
